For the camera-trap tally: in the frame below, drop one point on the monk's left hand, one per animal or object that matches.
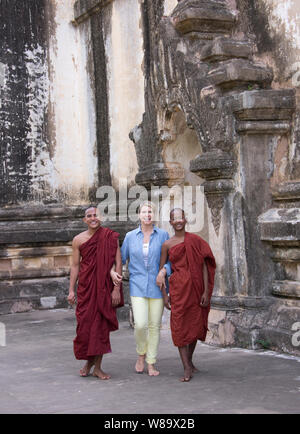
(116, 296)
(204, 300)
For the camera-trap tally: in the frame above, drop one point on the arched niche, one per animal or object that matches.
(180, 144)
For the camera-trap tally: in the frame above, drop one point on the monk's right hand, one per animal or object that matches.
(71, 298)
(115, 296)
(167, 302)
(161, 280)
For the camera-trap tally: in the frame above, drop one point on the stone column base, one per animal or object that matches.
(273, 328)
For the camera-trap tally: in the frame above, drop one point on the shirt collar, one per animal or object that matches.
(139, 229)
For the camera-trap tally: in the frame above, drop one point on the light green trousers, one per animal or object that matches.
(147, 313)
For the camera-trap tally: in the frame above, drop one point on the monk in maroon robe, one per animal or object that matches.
(191, 286)
(95, 251)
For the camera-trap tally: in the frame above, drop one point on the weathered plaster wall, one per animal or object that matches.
(70, 171)
(47, 149)
(169, 5)
(124, 52)
(23, 95)
(47, 111)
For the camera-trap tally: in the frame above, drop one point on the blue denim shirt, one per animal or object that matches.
(142, 280)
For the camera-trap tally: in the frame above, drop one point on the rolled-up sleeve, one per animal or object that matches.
(167, 265)
(168, 268)
(125, 250)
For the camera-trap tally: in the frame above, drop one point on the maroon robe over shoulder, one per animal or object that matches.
(96, 317)
(189, 320)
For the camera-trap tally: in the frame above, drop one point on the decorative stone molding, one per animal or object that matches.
(217, 168)
(161, 174)
(239, 72)
(286, 288)
(84, 9)
(222, 49)
(265, 105)
(281, 225)
(40, 224)
(213, 165)
(202, 19)
(236, 303)
(287, 194)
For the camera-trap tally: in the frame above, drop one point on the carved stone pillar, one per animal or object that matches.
(263, 117)
(280, 228)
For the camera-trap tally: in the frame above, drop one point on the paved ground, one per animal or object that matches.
(40, 375)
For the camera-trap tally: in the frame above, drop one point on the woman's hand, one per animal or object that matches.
(115, 277)
(161, 279)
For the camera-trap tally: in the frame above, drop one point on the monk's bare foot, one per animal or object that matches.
(140, 364)
(194, 369)
(85, 371)
(188, 375)
(100, 374)
(152, 371)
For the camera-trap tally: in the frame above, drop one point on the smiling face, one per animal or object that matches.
(146, 215)
(92, 218)
(177, 219)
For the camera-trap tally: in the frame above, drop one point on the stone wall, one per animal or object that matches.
(47, 159)
(213, 64)
(155, 93)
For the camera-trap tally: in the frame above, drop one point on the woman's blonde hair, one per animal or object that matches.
(151, 205)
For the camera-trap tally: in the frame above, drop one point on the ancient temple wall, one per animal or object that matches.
(227, 66)
(24, 96)
(169, 5)
(209, 94)
(71, 168)
(275, 27)
(47, 105)
(181, 146)
(124, 53)
(47, 153)
(284, 37)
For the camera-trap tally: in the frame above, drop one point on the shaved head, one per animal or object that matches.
(89, 208)
(177, 211)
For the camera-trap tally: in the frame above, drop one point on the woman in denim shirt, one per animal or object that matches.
(142, 248)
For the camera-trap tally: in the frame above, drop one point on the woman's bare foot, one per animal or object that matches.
(85, 371)
(140, 364)
(152, 371)
(188, 374)
(100, 374)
